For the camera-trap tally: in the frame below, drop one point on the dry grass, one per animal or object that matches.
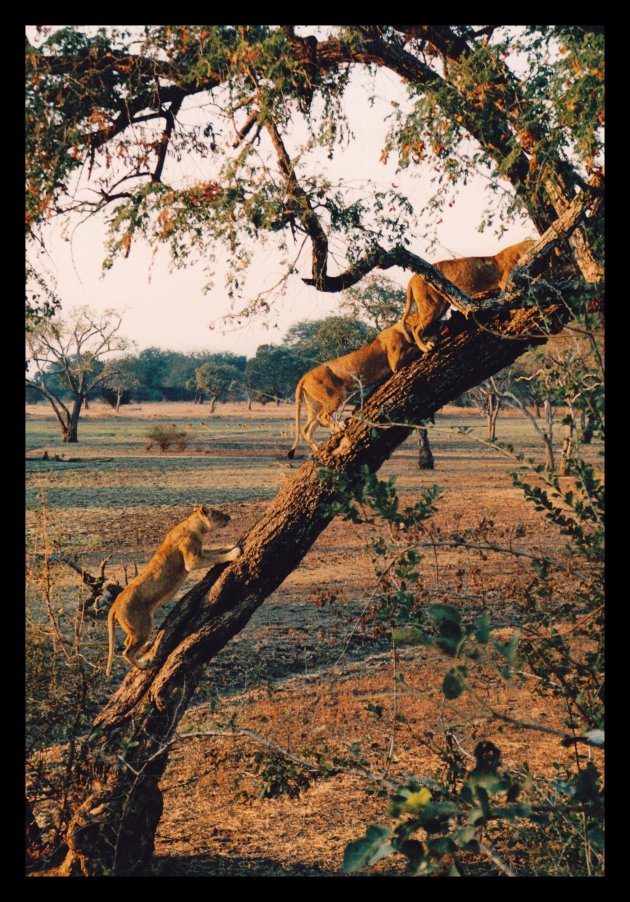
(302, 672)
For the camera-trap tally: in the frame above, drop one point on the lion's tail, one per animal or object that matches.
(111, 629)
(298, 407)
(402, 323)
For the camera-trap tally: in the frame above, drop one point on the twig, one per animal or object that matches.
(494, 858)
(453, 736)
(497, 548)
(526, 725)
(570, 629)
(328, 771)
(126, 763)
(390, 751)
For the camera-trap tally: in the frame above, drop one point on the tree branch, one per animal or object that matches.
(300, 206)
(400, 256)
(147, 706)
(55, 402)
(169, 115)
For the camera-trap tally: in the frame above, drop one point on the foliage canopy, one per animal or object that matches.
(118, 120)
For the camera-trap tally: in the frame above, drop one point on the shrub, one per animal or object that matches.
(164, 436)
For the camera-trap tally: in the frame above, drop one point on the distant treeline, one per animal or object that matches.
(156, 374)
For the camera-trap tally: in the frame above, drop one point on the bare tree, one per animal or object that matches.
(488, 397)
(69, 352)
(377, 299)
(545, 431)
(425, 454)
(564, 377)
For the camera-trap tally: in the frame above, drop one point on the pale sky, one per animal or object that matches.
(168, 309)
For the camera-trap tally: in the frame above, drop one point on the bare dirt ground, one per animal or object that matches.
(303, 672)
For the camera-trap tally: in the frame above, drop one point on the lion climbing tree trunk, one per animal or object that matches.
(116, 799)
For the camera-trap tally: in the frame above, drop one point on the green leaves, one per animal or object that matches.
(442, 628)
(508, 651)
(488, 758)
(279, 776)
(374, 846)
(362, 496)
(454, 682)
(587, 786)
(482, 629)
(409, 635)
(448, 622)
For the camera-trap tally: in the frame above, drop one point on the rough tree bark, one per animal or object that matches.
(116, 788)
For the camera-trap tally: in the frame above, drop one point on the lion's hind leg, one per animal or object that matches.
(325, 418)
(425, 346)
(137, 641)
(315, 416)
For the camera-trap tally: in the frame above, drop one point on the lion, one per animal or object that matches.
(180, 552)
(474, 275)
(327, 387)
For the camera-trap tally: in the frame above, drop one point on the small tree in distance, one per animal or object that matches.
(274, 372)
(215, 380)
(377, 299)
(120, 379)
(316, 341)
(72, 350)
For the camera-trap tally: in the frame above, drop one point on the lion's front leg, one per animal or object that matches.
(196, 560)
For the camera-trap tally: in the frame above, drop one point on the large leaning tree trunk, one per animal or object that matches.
(116, 799)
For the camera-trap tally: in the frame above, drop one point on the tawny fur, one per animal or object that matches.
(325, 388)
(180, 552)
(473, 275)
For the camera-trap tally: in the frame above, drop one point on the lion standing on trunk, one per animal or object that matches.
(325, 388)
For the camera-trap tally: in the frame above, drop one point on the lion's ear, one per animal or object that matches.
(204, 510)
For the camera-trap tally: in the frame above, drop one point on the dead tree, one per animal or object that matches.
(103, 591)
(488, 398)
